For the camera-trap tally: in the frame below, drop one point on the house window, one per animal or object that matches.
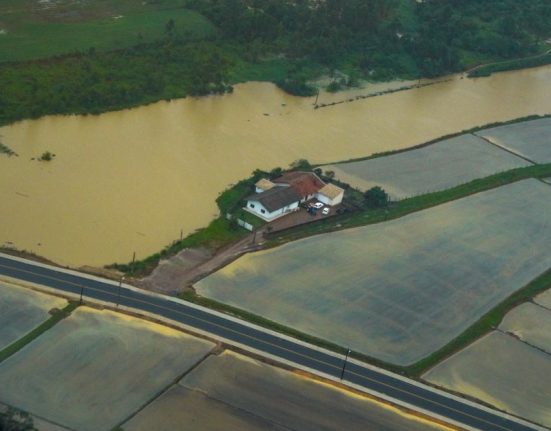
(263, 212)
(251, 205)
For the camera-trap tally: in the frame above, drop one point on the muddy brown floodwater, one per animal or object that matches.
(132, 180)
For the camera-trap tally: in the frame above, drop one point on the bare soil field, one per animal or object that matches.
(95, 368)
(531, 139)
(22, 310)
(502, 371)
(530, 323)
(399, 290)
(435, 167)
(232, 392)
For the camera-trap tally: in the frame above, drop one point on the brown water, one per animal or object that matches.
(132, 180)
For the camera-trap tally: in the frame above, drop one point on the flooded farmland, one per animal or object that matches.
(133, 180)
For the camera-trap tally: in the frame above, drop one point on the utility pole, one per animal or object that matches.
(81, 290)
(119, 291)
(344, 364)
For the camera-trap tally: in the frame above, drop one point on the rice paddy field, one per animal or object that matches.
(399, 290)
(435, 167)
(530, 323)
(531, 139)
(502, 371)
(544, 299)
(234, 393)
(95, 368)
(22, 310)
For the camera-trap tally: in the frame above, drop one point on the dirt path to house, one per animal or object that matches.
(192, 264)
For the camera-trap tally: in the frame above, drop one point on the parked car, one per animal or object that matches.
(325, 211)
(318, 205)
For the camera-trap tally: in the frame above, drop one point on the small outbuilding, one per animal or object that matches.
(330, 194)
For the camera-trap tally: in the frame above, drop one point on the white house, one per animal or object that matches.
(273, 203)
(283, 195)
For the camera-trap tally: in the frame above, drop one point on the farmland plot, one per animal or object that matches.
(435, 167)
(234, 393)
(21, 310)
(499, 369)
(95, 368)
(544, 299)
(530, 323)
(399, 290)
(531, 139)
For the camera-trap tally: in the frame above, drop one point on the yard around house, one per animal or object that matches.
(397, 291)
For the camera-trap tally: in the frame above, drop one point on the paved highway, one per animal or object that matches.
(404, 391)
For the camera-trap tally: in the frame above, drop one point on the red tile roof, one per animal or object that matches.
(304, 183)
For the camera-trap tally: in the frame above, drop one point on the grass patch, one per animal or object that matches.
(36, 332)
(4, 149)
(219, 233)
(521, 63)
(30, 39)
(484, 325)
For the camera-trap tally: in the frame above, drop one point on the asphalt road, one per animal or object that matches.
(419, 396)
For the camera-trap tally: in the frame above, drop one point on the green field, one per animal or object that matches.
(29, 32)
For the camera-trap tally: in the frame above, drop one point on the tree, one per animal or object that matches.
(16, 420)
(376, 197)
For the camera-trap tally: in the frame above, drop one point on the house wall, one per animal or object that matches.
(331, 202)
(266, 215)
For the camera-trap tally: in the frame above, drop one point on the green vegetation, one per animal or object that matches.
(174, 48)
(376, 197)
(33, 31)
(520, 63)
(16, 420)
(217, 234)
(57, 316)
(46, 156)
(485, 324)
(7, 150)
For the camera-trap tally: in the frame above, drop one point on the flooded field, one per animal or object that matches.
(531, 323)
(22, 310)
(439, 166)
(530, 139)
(499, 369)
(401, 289)
(95, 368)
(133, 180)
(234, 393)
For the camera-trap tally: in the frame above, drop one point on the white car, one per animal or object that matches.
(325, 211)
(318, 205)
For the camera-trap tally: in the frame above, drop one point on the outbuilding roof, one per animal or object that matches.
(276, 198)
(264, 184)
(304, 183)
(331, 191)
